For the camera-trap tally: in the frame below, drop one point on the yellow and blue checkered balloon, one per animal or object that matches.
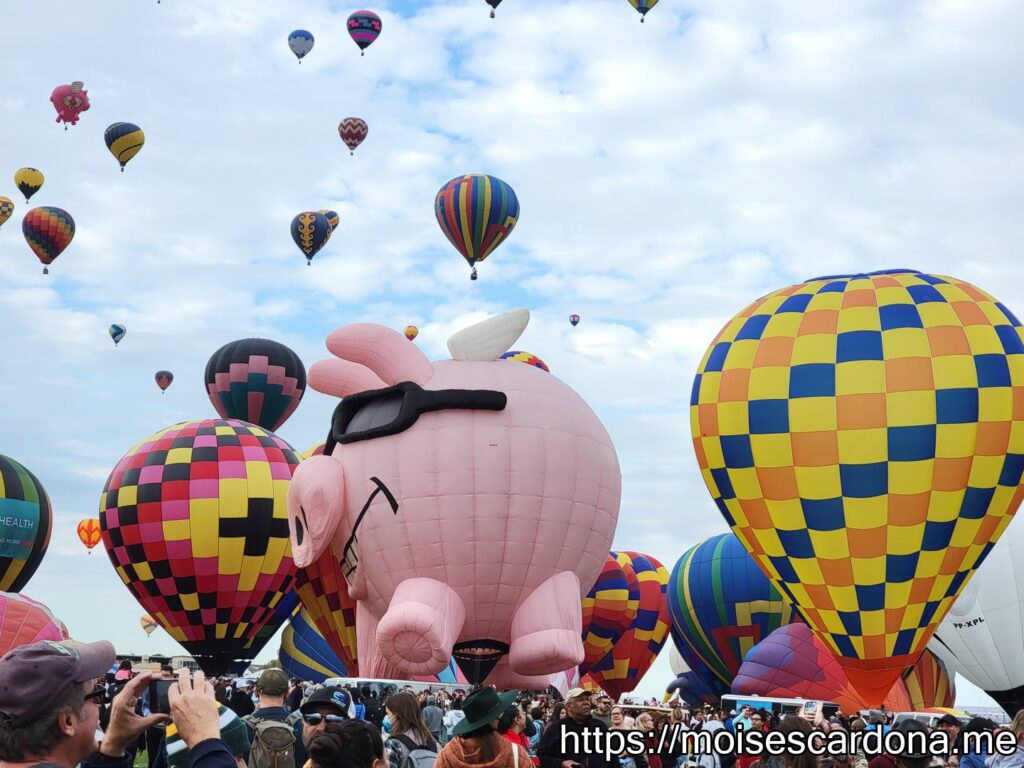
(863, 435)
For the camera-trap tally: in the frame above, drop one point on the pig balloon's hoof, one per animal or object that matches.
(412, 636)
(540, 652)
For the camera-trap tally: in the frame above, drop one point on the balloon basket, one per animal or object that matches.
(122, 169)
(492, 14)
(472, 275)
(46, 271)
(362, 53)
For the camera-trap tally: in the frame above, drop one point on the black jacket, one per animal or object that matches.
(549, 750)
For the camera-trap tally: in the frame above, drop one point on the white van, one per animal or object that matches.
(930, 719)
(806, 707)
(383, 688)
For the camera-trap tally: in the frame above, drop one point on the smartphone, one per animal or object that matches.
(158, 701)
(810, 707)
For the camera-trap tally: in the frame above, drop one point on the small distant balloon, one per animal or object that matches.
(364, 27)
(352, 131)
(332, 218)
(525, 357)
(48, 231)
(117, 332)
(6, 209)
(574, 319)
(163, 380)
(70, 101)
(411, 332)
(311, 230)
(643, 6)
(29, 181)
(301, 43)
(494, 4)
(147, 622)
(89, 532)
(124, 140)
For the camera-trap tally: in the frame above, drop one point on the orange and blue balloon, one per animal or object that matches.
(48, 231)
(124, 140)
(476, 212)
(609, 610)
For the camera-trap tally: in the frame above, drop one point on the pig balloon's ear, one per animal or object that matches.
(491, 338)
(341, 378)
(385, 352)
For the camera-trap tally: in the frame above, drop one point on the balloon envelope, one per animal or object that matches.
(301, 42)
(89, 532)
(6, 209)
(194, 522)
(609, 610)
(148, 624)
(411, 332)
(48, 231)
(163, 379)
(305, 655)
(525, 357)
(722, 605)
(364, 27)
(858, 433)
(256, 380)
(352, 131)
(332, 218)
(643, 6)
(930, 683)
(117, 332)
(476, 212)
(24, 621)
(29, 181)
(124, 140)
(311, 230)
(27, 521)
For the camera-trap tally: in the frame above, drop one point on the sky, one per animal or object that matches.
(668, 173)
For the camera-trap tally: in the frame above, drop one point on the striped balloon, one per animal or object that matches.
(6, 209)
(124, 140)
(352, 131)
(24, 621)
(311, 230)
(643, 6)
(324, 594)
(89, 532)
(624, 667)
(525, 357)
(27, 521)
(364, 27)
(929, 683)
(305, 655)
(476, 212)
(48, 231)
(609, 610)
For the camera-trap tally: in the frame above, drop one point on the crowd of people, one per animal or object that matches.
(61, 708)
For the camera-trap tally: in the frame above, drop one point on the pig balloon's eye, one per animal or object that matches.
(300, 532)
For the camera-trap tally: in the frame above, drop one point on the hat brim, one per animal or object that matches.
(466, 725)
(94, 660)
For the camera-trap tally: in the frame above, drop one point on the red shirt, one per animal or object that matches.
(522, 740)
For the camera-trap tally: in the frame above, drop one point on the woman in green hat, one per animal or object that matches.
(476, 742)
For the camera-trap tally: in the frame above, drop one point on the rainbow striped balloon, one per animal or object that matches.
(476, 212)
(48, 231)
(526, 357)
(643, 6)
(609, 610)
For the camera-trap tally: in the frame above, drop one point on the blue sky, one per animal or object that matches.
(668, 173)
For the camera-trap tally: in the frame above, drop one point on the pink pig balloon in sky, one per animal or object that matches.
(470, 503)
(70, 101)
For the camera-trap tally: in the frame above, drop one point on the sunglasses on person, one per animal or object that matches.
(97, 693)
(315, 718)
(381, 412)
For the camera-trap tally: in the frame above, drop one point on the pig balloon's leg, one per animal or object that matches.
(504, 679)
(421, 625)
(371, 663)
(546, 628)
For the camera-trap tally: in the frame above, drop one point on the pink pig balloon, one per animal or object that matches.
(470, 503)
(70, 101)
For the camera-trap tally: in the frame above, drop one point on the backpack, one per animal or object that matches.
(273, 742)
(416, 755)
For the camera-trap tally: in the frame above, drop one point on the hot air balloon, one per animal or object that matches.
(148, 624)
(124, 140)
(695, 686)
(494, 4)
(48, 231)
(574, 319)
(6, 209)
(622, 669)
(609, 610)
(332, 218)
(301, 43)
(117, 332)
(981, 635)
(352, 131)
(324, 593)
(29, 181)
(24, 621)
(89, 532)
(305, 655)
(525, 357)
(193, 520)
(256, 380)
(411, 332)
(311, 231)
(722, 605)
(858, 434)
(70, 101)
(364, 27)
(286, 607)
(643, 6)
(163, 380)
(792, 663)
(316, 450)
(930, 683)
(476, 212)
(27, 520)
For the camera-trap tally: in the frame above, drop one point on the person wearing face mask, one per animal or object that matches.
(408, 732)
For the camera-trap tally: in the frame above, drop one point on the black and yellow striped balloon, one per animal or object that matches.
(124, 140)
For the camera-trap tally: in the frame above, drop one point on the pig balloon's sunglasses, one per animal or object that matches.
(382, 412)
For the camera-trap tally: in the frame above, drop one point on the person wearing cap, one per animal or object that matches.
(271, 688)
(324, 705)
(579, 720)
(475, 741)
